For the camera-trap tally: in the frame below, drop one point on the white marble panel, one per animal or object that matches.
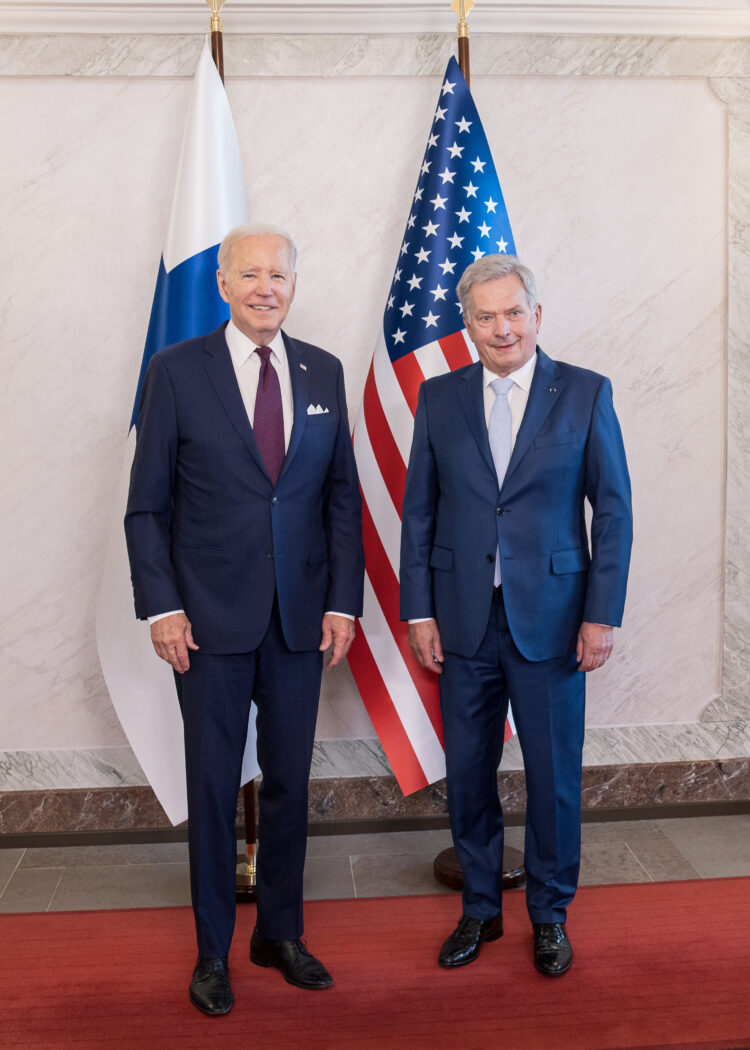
(617, 193)
(70, 768)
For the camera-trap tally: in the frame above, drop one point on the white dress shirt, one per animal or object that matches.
(518, 395)
(247, 369)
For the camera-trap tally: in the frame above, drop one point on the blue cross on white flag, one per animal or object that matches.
(209, 199)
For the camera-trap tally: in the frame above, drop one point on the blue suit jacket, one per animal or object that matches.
(568, 448)
(208, 532)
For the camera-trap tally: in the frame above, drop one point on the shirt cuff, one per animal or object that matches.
(422, 619)
(347, 616)
(160, 616)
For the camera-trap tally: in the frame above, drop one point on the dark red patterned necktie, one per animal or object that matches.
(269, 417)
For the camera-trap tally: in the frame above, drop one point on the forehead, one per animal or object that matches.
(263, 250)
(499, 293)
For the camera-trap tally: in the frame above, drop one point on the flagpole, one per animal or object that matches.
(446, 866)
(217, 42)
(245, 888)
(462, 8)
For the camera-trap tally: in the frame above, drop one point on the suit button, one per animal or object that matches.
(270, 554)
(275, 500)
(490, 557)
(500, 511)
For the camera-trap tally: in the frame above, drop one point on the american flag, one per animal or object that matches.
(457, 216)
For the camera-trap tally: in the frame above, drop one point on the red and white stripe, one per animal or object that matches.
(400, 696)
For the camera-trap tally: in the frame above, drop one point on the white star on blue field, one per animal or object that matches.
(457, 216)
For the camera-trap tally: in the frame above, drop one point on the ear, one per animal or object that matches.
(538, 313)
(222, 283)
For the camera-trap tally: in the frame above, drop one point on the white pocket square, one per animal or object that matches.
(316, 410)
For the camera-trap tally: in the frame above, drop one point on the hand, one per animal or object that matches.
(424, 639)
(340, 631)
(594, 647)
(172, 636)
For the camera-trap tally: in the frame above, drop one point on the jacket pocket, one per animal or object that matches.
(575, 560)
(441, 558)
(556, 437)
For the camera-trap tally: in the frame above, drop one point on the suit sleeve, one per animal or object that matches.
(418, 521)
(608, 492)
(343, 519)
(148, 515)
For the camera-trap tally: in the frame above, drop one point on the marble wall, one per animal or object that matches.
(623, 161)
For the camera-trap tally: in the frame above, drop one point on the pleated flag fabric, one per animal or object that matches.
(209, 199)
(457, 216)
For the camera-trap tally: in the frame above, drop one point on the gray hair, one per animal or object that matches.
(253, 229)
(490, 268)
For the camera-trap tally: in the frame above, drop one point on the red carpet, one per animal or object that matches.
(657, 965)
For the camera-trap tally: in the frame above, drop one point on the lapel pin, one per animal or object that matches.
(553, 390)
(303, 367)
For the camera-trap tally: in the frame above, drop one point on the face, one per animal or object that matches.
(258, 285)
(501, 324)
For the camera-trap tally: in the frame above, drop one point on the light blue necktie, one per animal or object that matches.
(500, 434)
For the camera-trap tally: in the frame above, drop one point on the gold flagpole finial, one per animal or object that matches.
(462, 8)
(216, 6)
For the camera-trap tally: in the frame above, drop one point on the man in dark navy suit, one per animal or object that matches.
(505, 600)
(245, 541)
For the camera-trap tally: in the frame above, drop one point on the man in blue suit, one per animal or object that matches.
(504, 600)
(245, 542)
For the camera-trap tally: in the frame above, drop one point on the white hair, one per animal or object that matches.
(490, 268)
(253, 229)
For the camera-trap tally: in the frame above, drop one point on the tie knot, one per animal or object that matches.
(502, 385)
(264, 351)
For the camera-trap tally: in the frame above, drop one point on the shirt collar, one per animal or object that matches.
(240, 347)
(521, 377)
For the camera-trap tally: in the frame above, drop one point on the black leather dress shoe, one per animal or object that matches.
(553, 955)
(462, 946)
(296, 963)
(210, 990)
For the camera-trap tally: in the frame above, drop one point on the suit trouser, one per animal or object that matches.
(548, 701)
(215, 696)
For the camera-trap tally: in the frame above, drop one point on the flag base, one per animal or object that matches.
(245, 891)
(447, 869)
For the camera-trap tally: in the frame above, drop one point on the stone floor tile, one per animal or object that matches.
(378, 842)
(30, 890)
(610, 862)
(328, 878)
(100, 856)
(122, 886)
(9, 861)
(715, 846)
(395, 874)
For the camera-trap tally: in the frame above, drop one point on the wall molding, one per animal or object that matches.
(712, 18)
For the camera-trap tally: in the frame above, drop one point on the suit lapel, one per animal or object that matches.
(300, 383)
(471, 396)
(221, 372)
(545, 390)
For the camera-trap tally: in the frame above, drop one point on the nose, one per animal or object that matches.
(263, 286)
(501, 326)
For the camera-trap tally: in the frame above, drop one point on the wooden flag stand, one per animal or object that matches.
(446, 866)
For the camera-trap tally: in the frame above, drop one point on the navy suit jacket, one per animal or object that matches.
(569, 448)
(209, 533)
